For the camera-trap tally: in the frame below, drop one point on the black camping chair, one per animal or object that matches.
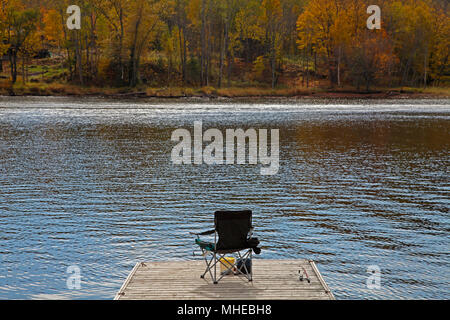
(232, 234)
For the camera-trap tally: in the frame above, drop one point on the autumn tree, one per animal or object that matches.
(115, 13)
(411, 28)
(439, 54)
(318, 25)
(233, 42)
(271, 21)
(3, 37)
(19, 26)
(143, 24)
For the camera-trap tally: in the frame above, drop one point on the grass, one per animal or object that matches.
(47, 79)
(231, 92)
(66, 89)
(445, 91)
(53, 89)
(262, 92)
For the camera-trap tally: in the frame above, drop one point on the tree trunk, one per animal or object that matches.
(273, 61)
(223, 43)
(307, 69)
(88, 58)
(425, 65)
(203, 44)
(78, 57)
(303, 67)
(69, 58)
(27, 76)
(339, 67)
(184, 58)
(208, 63)
(13, 64)
(121, 64)
(23, 70)
(133, 56)
(133, 67)
(229, 66)
(315, 66)
(182, 40)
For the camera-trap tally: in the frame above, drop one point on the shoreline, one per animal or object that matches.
(209, 93)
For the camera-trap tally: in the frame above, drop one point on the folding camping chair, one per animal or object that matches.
(232, 234)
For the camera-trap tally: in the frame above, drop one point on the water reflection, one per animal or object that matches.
(90, 183)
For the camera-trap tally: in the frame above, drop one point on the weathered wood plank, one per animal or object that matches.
(272, 279)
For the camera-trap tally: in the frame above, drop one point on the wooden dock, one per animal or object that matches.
(180, 280)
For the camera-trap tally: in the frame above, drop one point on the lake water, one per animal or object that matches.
(89, 182)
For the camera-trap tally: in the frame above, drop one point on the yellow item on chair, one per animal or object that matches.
(228, 261)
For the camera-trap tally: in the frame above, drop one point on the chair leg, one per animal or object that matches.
(248, 273)
(209, 265)
(215, 269)
(217, 259)
(251, 266)
(207, 268)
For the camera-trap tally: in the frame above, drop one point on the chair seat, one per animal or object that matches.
(211, 247)
(224, 251)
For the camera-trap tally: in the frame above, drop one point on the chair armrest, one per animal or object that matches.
(203, 233)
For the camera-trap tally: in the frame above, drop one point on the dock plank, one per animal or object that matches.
(272, 279)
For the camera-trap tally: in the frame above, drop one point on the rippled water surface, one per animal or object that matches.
(90, 183)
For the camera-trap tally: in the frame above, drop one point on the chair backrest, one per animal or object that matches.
(233, 228)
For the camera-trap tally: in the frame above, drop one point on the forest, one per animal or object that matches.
(225, 44)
